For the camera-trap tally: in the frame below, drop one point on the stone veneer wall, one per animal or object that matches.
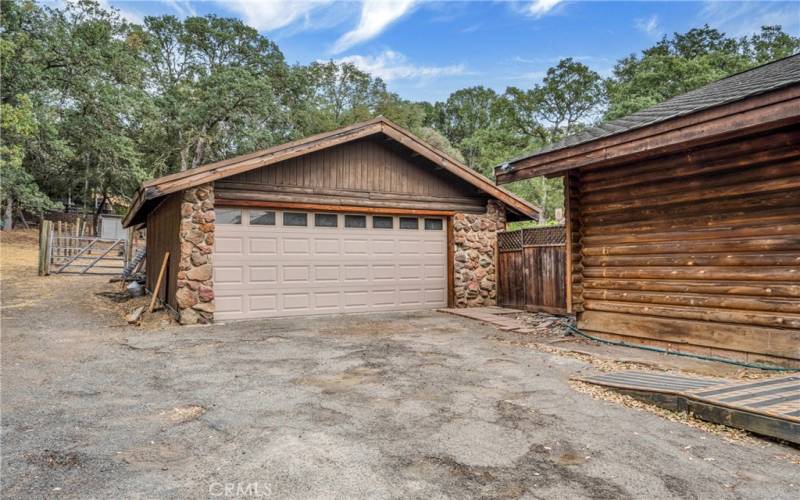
(195, 295)
(475, 267)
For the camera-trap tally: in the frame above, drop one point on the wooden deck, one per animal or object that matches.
(770, 407)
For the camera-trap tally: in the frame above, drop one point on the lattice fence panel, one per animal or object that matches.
(509, 242)
(544, 236)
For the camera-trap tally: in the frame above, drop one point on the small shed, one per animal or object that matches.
(111, 227)
(363, 218)
(683, 220)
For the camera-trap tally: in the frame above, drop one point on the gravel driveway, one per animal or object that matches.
(421, 405)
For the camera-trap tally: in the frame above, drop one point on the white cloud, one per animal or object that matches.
(390, 65)
(129, 15)
(746, 18)
(538, 8)
(376, 16)
(273, 14)
(649, 25)
(184, 8)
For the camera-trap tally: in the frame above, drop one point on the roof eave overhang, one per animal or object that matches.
(748, 116)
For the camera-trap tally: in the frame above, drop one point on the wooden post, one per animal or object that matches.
(57, 239)
(158, 282)
(49, 246)
(42, 249)
(129, 247)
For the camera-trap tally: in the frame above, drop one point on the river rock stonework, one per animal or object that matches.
(475, 266)
(195, 295)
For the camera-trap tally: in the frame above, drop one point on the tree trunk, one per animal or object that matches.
(97, 213)
(199, 152)
(22, 218)
(9, 217)
(185, 158)
(200, 148)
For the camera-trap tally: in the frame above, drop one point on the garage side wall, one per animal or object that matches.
(475, 266)
(162, 237)
(195, 286)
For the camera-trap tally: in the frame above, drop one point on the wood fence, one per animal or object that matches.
(532, 270)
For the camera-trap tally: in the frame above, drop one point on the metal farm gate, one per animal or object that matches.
(532, 269)
(72, 248)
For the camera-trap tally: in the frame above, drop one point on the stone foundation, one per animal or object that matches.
(475, 267)
(195, 295)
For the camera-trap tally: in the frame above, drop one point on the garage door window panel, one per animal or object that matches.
(262, 218)
(382, 222)
(355, 221)
(228, 215)
(409, 223)
(295, 219)
(326, 220)
(433, 224)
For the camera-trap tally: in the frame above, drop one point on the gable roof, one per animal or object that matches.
(150, 192)
(755, 81)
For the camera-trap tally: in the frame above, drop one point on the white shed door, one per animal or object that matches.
(270, 263)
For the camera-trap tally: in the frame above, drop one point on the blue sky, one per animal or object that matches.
(425, 50)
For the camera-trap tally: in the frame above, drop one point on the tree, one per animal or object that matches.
(571, 95)
(218, 87)
(78, 69)
(771, 43)
(688, 61)
(438, 141)
(328, 95)
(19, 188)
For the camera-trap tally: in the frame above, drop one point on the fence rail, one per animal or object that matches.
(532, 269)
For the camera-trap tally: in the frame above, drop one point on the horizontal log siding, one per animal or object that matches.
(369, 172)
(163, 228)
(698, 251)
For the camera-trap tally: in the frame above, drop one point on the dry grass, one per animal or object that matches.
(19, 259)
(19, 252)
(19, 255)
(183, 414)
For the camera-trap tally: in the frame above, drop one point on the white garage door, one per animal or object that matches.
(271, 263)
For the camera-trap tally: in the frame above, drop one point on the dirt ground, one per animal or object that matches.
(413, 405)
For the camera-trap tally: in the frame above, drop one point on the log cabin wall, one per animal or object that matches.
(698, 252)
(163, 227)
(370, 172)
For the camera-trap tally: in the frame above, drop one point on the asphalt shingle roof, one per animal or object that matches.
(758, 80)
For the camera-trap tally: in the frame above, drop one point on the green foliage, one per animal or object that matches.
(92, 105)
(688, 61)
(19, 126)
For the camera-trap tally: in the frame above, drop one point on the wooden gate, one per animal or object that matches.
(532, 269)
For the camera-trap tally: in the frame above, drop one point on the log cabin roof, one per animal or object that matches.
(741, 86)
(151, 192)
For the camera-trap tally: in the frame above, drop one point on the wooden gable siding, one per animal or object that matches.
(368, 172)
(698, 251)
(163, 227)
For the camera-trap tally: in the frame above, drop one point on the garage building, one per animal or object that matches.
(363, 218)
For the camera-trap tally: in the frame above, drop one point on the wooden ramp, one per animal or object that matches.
(770, 407)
